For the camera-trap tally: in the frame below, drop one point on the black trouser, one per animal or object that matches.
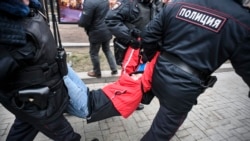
(177, 91)
(164, 126)
(94, 55)
(58, 130)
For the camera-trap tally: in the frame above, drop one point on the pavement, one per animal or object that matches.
(222, 112)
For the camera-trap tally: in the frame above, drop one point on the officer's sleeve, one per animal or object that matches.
(88, 14)
(116, 18)
(241, 61)
(152, 35)
(7, 64)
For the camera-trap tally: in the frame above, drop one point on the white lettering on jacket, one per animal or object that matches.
(202, 18)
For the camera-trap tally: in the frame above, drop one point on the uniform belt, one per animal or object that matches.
(185, 67)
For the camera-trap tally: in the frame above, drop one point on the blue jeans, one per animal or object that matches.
(94, 55)
(77, 91)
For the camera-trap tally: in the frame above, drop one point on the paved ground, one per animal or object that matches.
(222, 113)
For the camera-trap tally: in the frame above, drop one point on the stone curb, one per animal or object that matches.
(76, 45)
(107, 77)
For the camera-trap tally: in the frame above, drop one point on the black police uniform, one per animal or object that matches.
(197, 37)
(126, 20)
(31, 85)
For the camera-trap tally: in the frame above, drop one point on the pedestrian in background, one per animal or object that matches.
(31, 85)
(94, 12)
(197, 37)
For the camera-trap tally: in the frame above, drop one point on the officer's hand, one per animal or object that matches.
(136, 33)
(144, 58)
(135, 43)
(149, 49)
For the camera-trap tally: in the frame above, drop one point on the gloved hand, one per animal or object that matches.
(135, 43)
(249, 94)
(149, 50)
(144, 58)
(136, 33)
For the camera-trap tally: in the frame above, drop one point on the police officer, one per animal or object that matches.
(31, 86)
(126, 20)
(197, 37)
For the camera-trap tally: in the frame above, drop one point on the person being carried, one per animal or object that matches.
(119, 98)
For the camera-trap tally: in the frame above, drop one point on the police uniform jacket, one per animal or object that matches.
(203, 34)
(28, 60)
(129, 14)
(94, 12)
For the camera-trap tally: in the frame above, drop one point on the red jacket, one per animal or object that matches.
(126, 93)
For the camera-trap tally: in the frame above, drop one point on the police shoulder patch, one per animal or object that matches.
(116, 5)
(212, 21)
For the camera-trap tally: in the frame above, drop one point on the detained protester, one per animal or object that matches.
(197, 37)
(120, 98)
(31, 86)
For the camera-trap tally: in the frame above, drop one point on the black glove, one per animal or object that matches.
(144, 58)
(249, 94)
(136, 33)
(135, 43)
(149, 50)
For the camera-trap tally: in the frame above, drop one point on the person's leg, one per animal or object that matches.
(58, 130)
(94, 55)
(110, 57)
(164, 126)
(21, 130)
(77, 91)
